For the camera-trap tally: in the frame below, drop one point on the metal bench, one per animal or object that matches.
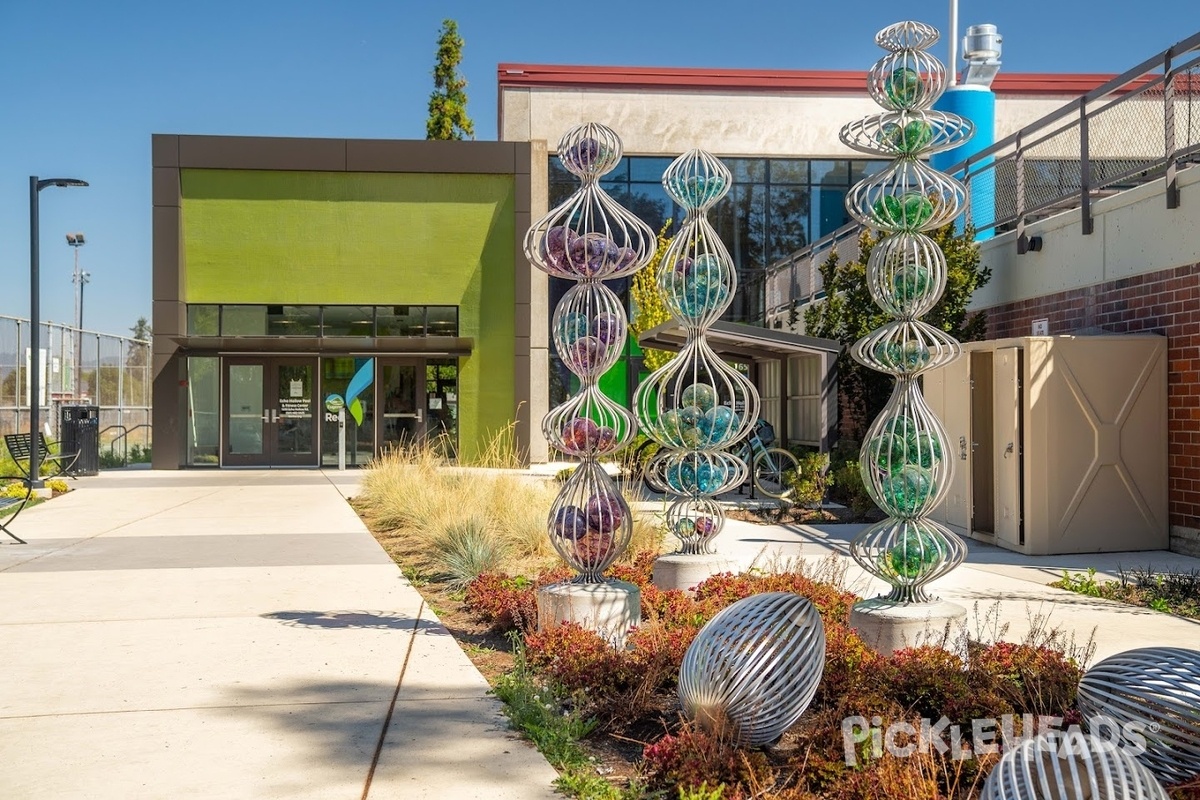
(19, 448)
(8, 514)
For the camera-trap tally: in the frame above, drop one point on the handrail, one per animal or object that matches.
(1172, 75)
(125, 431)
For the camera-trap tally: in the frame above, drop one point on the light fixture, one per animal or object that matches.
(981, 50)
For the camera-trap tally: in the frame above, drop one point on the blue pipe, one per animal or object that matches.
(978, 104)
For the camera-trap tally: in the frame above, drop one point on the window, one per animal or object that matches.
(204, 320)
(442, 320)
(244, 320)
(400, 321)
(348, 321)
(293, 320)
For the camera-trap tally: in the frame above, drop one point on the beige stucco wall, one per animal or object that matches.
(1134, 233)
(729, 124)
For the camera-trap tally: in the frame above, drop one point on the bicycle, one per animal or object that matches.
(769, 466)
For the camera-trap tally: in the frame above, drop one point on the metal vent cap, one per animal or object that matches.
(982, 43)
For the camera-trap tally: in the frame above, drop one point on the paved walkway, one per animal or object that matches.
(234, 634)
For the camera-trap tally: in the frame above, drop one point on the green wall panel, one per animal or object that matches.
(366, 239)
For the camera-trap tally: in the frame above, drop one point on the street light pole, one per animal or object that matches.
(76, 241)
(35, 323)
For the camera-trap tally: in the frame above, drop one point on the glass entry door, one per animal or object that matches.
(270, 412)
(402, 397)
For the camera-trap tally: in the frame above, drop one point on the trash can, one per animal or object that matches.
(80, 432)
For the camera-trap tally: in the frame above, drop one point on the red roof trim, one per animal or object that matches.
(832, 81)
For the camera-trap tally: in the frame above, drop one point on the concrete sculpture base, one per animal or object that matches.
(684, 571)
(610, 609)
(887, 626)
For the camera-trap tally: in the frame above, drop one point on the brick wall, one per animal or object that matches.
(1162, 302)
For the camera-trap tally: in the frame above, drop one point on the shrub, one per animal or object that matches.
(723, 589)
(14, 489)
(849, 490)
(1032, 679)
(930, 681)
(507, 603)
(851, 667)
(812, 481)
(637, 570)
(576, 659)
(58, 486)
(691, 758)
(465, 549)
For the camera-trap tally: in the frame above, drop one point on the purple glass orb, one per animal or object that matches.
(584, 154)
(684, 265)
(606, 327)
(604, 513)
(556, 245)
(587, 353)
(570, 522)
(593, 254)
(579, 435)
(705, 525)
(626, 258)
(605, 437)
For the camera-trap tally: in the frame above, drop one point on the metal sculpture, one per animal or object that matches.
(589, 238)
(905, 457)
(696, 405)
(1074, 766)
(753, 669)
(1157, 689)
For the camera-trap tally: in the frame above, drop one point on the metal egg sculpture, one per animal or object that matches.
(696, 405)
(1074, 766)
(589, 238)
(753, 669)
(1156, 689)
(905, 457)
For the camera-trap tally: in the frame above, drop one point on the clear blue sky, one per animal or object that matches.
(84, 84)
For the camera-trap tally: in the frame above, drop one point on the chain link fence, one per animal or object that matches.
(1142, 126)
(78, 368)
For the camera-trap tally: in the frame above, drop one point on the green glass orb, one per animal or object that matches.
(907, 139)
(917, 209)
(913, 555)
(910, 282)
(692, 438)
(669, 425)
(889, 211)
(904, 88)
(887, 451)
(907, 489)
(924, 450)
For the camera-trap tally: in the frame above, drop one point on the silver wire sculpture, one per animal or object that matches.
(1073, 766)
(696, 405)
(1157, 688)
(589, 238)
(905, 455)
(753, 669)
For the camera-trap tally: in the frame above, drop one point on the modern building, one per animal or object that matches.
(296, 276)
(288, 271)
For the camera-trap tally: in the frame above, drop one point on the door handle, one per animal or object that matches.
(270, 415)
(420, 415)
(962, 447)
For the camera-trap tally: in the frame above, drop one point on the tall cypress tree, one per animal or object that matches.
(448, 103)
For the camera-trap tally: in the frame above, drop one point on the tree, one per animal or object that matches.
(847, 313)
(138, 354)
(448, 103)
(649, 307)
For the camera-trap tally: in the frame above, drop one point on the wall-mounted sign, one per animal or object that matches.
(334, 403)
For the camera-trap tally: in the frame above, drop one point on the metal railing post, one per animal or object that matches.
(1022, 239)
(1172, 187)
(1085, 171)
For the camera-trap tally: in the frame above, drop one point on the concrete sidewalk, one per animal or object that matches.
(234, 634)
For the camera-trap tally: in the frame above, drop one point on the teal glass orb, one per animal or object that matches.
(917, 210)
(907, 489)
(720, 422)
(911, 282)
(572, 327)
(701, 395)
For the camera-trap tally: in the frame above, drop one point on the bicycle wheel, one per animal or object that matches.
(770, 472)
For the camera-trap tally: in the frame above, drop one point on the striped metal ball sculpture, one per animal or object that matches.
(753, 669)
(589, 238)
(696, 405)
(1074, 766)
(1158, 690)
(905, 457)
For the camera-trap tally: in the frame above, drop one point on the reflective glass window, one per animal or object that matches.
(293, 320)
(443, 321)
(400, 320)
(243, 320)
(204, 320)
(348, 321)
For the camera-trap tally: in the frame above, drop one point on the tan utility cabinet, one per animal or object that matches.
(1059, 442)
